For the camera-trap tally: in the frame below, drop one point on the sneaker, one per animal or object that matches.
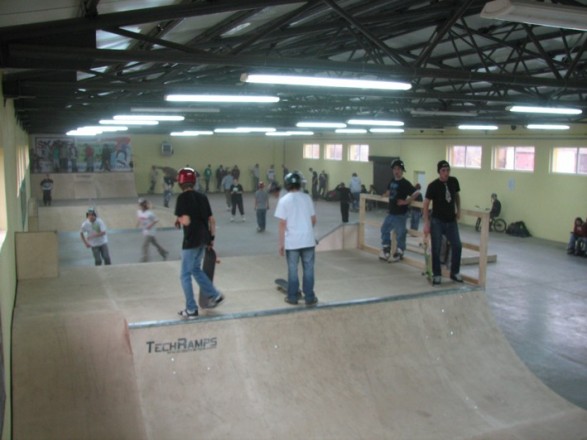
(398, 255)
(243, 219)
(215, 302)
(312, 302)
(231, 219)
(188, 315)
(384, 254)
(293, 303)
(457, 277)
(436, 280)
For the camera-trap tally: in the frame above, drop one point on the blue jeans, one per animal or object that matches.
(191, 265)
(450, 230)
(356, 198)
(415, 215)
(307, 255)
(261, 218)
(395, 223)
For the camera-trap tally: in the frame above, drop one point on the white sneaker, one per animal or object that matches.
(243, 219)
(398, 255)
(231, 219)
(384, 255)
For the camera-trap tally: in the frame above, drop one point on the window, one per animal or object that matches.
(513, 158)
(571, 160)
(358, 153)
(333, 151)
(465, 156)
(311, 151)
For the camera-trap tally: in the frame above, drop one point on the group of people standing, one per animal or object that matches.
(440, 219)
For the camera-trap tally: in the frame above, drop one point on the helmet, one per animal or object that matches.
(91, 211)
(186, 175)
(398, 163)
(293, 180)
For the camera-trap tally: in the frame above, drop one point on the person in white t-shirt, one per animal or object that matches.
(297, 217)
(147, 220)
(93, 234)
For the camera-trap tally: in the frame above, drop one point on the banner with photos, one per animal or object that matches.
(62, 154)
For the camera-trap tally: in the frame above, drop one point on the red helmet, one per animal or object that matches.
(186, 175)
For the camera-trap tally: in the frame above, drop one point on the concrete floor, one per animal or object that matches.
(536, 292)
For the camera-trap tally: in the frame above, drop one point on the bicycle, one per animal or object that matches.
(496, 224)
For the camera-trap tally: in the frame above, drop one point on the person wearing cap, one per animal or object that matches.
(443, 193)
(401, 192)
(194, 216)
(93, 234)
(147, 220)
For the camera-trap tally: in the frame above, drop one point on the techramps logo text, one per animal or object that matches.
(182, 345)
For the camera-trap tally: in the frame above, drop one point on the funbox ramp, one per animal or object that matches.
(430, 366)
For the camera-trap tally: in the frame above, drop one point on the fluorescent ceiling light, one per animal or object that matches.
(443, 113)
(244, 130)
(290, 133)
(477, 127)
(82, 133)
(350, 131)
(547, 110)
(547, 127)
(103, 128)
(532, 12)
(386, 130)
(174, 110)
(316, 81)
(222, 98)
(316, 124)
(379, 122)
(192, 133)
(127, 122)
(148, 118)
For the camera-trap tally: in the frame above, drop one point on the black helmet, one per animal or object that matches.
(398, 163)
(293, 180)
(91, 211)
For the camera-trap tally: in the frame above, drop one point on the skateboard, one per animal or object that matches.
(427, 259)
(281, 285)
(209, 265)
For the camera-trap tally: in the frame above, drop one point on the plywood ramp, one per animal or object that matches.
(427, 367)
(382, 357)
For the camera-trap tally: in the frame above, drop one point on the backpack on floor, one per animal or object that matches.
(518, 229)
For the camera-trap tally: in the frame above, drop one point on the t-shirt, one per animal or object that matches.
(89, 228)
(262, 199)
(47, 184)
(442, 195)
(399, 190)
(297, 209)
(197, 207)
(145, 218)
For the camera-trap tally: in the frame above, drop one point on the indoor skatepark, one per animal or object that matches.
(98, 352)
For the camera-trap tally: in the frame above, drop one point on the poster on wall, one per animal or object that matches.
(63, 154)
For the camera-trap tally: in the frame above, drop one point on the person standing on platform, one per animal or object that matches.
(236, 199)
(47, 187)
(355, 187)
(444, 195)
(168, 182)
(106, 158)
(401, 193)
(346, 199)
(297, 217)
(147, 221)
(194, 216)
(89, 155)
(261, 206)
(93, 234)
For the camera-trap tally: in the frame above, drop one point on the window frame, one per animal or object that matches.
(514, 154)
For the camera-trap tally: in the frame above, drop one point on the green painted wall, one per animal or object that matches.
(547, 203)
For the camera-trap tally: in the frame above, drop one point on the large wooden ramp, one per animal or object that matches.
(423, 366)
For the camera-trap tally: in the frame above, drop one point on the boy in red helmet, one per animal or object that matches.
(199, 226)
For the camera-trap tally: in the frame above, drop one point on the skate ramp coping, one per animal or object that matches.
(423, 366)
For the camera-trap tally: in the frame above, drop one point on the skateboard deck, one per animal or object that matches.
(427, 259)
(281, 285)
(208, 266)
